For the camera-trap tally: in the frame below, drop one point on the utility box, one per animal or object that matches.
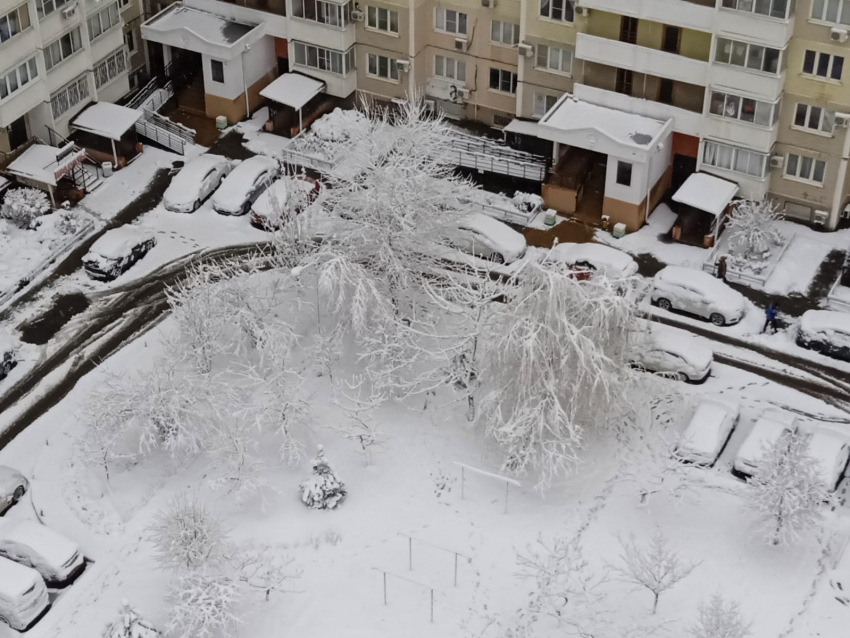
(221, 122)
(619, 230)
(106, 167)
(550, 217)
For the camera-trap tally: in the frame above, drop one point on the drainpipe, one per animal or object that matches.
(838, 196)
(411, 51)
(245, 82)
(114, 154)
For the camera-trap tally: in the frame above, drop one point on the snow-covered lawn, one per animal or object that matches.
(798, 266)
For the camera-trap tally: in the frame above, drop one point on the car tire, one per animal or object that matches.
(816, 346)
(717, 319)
(681, 376)
(497, 258)
(196, 205)
(18, 494)
(664, 304)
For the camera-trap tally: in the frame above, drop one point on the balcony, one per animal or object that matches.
(752, 27)
(688, 14)
(641, 59)
(739, 133)
(323, 35)
(740, 81)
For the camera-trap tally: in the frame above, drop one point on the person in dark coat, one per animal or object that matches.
(721, 268)
(770, 316)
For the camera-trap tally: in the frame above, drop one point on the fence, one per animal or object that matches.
(299, 158)
(161, 136)
(751, 280)
(838, 301)
(515, 216)
(489, 156)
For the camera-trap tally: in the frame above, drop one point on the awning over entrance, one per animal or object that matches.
(46, 164)
(707, 193)
(107, 120)
(293, 89)
(523, 127)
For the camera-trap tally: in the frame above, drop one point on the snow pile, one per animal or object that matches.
(337, 125)
(323, 490)
(130, 624)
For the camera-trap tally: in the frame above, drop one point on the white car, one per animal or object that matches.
(292, 195)
(23, 596)
(57, 559)
(116, 251)
(826, 331)
(595, 258)
(770, 426)
(831, 451)
(481, 235)
(708, 431)
(680, 356)
(195, 182)
(244, 184)
(697, 292)
(13, 485)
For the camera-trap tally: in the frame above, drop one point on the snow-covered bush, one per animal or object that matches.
(22, 206)
(204, 605)
(68, 222)
(187, 535)
(130, 624)
(339, 125)
(720, 619)
(753, 233)
(527, 202)
(323, 490)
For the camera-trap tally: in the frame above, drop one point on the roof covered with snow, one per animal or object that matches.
(815, 321)
(706, 192)
(118, 242)
(15, 579)
(39, 163)
(200, 31)
(293, 89)
(4, 183)
(107, 120)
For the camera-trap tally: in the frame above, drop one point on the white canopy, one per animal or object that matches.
(46, 164)
(523, 127)
(707, 193)
(107, 120)
(293, 89)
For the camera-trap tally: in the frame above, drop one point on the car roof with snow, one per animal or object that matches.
(824, 447)
(686, 346)
(242, 177)
(599, 255)
(119, 242)
(505, 237)
(699, 280)
(196, 169)
(280, 188)
(825, 321)
(16, 579)
(701, 434)
(51, 545)
(9, 478)
(6, 343)
(766, 430)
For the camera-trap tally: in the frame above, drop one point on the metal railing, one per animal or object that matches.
(490, 156)
(161, 136)
(160, 121)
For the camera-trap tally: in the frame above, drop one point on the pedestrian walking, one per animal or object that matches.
(770, 316)
(721, 269)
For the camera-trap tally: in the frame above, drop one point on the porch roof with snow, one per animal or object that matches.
(44, 164)
(707, 193)
(107, 120)
(293, 89)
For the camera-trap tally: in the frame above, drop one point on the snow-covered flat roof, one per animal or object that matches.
(107, 120)
(4, 183)
(201, 31)
(706, 192)
(39, 163)
(293, 89)
(523, 127)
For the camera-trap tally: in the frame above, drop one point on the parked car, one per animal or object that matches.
(244, 184)
(8, 357)
(708, 431)
(595, 258)
(832, 452)
(481, 235)
(57, 559)
(697, 292)
(13, 485)
(770, 426)
(292, 195)
(23, 596)
(116, 251)
(680, 356)
(195, 182)
(827, 332)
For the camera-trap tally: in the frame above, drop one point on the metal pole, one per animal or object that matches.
(410, 553)
(385, 587)
(507, 487)
(455, 570)
(432, 605)
(461, 481)
(114, 154)
(300, 121)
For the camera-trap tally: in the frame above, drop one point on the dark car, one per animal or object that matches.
(116, 252)
(827, 332)
(8, 360)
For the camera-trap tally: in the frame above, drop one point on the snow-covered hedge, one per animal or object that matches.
(23, 206)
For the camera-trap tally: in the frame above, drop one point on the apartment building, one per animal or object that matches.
(56, 56)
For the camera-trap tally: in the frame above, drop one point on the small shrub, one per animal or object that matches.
(23, 206)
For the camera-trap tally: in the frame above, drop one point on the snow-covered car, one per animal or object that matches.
(697, 292)
(23, 596)
(827, 332)
(832, 452)
(116, 251)
(292, 195)
(244, 184)
(594, 258)
(767, 430)
(708, 431)
(8, 357)
(195, 182)
(481, 235)
(679, 356)
(57, 559)
(13, 485)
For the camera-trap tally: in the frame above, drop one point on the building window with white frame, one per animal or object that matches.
(823, 65)
(450, 21)
(16, 78)
(62, 48)
(124, 4)
(103, 21)
(329, 13)
(380, 66)
(503, 81)
(732, 158)
(46, 7)
(69, 96)
(831, 11)
(12, 23)
(554, 59)
(504, 33)
(771, 8)
(380, 19)
(560, 10)
(735, 107)
(814, 119)
(542, 104)
(337, 62)
(749, 56)
(112, 66)
(449, 68)
(804, 168)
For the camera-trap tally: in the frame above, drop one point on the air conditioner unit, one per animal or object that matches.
(777, 161)
(820, 217)
(842, 120)
(488, 4)
(430, 105)
(460, 44)
(357, 15)
(581, 11)
(69, 11)
(838, 35)
(403, 65)
(463, 94)
(525, 49)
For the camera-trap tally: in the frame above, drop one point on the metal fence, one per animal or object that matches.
(161, 136)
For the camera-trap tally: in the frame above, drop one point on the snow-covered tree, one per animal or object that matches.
(261, 568)
(720, 619)
(323, 490)
(187, 535)
(23, 206)
(130, 624)
(204, 605)
(787, 494)
(655, 566)
(106, 440)
(365, 432)
(754, 231)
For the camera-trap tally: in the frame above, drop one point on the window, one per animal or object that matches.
(505, 33)
(103, 21)
(745, 109)
(450, 21)
(324, 59)
(543, 103)
(624, 173)
(554, 59)
(111, 67)
(814, 118)
(334, 15)
(14, 22)
(67, 98)
(734, 159)
(217, 71)
(124, 4)
(382, 67)
(501, 80)
(17, 77)
(46, 7)
(62, 49)
(833, 11)
(449, 68)
(562, 10)
(130, 41)
(382, 19)
(749, 56)
(772, 8)
(823, 65)
(805, 168)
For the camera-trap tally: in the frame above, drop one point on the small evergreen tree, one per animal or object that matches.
(323, 490)
(130, 624)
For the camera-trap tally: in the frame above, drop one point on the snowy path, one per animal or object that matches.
(798, 266)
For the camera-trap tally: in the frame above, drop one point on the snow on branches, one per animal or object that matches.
(130, 624)
(203, 605)
(719, 619)
(187, 534)
(323, 490)
(23, 206)
(753, 232)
